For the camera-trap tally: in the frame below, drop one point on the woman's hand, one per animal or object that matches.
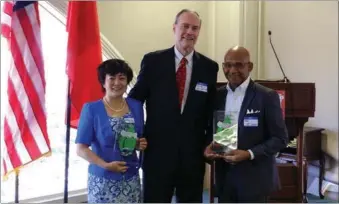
(141, 144)
(116, 166)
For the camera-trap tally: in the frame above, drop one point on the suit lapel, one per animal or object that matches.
(169, 71)
(170, 66)
(219, 111)
(221, 98)
(249, 95)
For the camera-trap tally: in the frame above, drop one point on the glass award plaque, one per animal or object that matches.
(125, 145)
(127, 140)
(225, 133)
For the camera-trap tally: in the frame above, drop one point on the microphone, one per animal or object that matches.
(276, 56)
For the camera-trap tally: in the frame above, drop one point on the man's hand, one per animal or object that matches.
(236, 156)
(209, 153)
(141, 144)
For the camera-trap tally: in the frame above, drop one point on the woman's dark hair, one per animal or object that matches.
(113, 67)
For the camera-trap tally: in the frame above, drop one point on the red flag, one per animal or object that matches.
(83, 55)
(25, 127)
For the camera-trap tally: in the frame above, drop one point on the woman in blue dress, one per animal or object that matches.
(109, 133)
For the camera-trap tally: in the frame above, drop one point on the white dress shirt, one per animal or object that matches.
(189, 66)
(234, 101)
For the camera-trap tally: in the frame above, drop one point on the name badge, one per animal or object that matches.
(201, 87)
(129, 120)
(251, 122)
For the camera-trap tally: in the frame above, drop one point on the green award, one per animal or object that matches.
(226, 134)
(127, 140)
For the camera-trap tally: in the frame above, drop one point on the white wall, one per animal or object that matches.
(305, 36)
(138, 27)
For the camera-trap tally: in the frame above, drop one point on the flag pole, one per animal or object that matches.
(67, 141)
(16, 195)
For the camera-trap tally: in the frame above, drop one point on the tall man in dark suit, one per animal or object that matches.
(178, 85)
(249, 173)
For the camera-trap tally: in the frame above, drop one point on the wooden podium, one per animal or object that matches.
(299, 106)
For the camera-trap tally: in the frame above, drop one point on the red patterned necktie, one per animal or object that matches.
(181, 78)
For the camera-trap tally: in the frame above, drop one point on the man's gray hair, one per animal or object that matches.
(185, 11)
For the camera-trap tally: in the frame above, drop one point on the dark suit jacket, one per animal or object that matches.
(258, 176)
(173, 137)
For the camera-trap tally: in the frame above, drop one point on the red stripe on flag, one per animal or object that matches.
(31, 40)
(5, 166)
(26, 135)
(36, 8)
(30, 89)
(13, 154)
(5, 30)
(8, 8)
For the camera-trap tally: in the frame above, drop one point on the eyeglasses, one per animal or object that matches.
(237, 65)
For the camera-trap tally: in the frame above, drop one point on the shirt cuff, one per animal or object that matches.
(251, 153)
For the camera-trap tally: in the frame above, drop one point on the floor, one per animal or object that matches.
(311, 199)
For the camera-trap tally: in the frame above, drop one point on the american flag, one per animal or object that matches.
(25, 126)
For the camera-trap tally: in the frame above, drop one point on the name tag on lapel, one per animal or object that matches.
(201, 87)
(251, 122)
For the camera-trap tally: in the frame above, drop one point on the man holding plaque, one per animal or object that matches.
(178, 85)
(250, 131)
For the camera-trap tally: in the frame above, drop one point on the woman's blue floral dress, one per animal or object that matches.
(103, 190)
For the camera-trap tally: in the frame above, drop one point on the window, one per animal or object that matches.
(46, 176)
